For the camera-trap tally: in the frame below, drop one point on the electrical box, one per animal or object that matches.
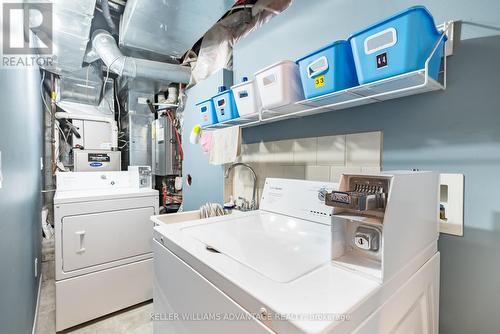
(451, 204)
(136, 121)
(164, 147)
(96, 161)
(92, 135)
(141, 176)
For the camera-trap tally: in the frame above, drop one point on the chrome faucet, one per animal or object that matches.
(253, 204)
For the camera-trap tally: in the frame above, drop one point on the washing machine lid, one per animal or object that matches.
(74, 196)
(274, 261)
(276, 246)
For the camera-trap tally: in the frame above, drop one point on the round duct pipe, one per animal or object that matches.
(105, 46)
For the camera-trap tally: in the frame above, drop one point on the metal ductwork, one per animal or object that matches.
(94, 118)
(105, 46)
(168, 27)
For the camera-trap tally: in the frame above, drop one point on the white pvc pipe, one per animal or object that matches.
(110, 121)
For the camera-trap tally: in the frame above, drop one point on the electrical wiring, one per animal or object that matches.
(106, 81)
(65, 141)
(119, 108)
(87, 84)
(177, 134)
(56, 124)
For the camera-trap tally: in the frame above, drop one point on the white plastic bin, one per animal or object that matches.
(279, 85)
(246, 98)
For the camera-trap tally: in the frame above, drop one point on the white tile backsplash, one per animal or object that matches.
(318, 159)
(282, 151)
(273, 170)
(266, 152)
(331, 150)
(305, 151)
(250, 153)
(294, 172)
(363, 149)
(337, 171)
(370, 170)
(318, 173)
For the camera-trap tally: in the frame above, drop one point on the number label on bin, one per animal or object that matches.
(319, 81)
(382, 60)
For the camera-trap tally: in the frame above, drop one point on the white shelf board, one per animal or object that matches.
(245, 121)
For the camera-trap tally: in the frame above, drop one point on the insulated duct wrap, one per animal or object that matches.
(106, 47)
(216, 51)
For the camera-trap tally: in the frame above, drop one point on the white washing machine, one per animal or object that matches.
(103, 235)
(297, 266)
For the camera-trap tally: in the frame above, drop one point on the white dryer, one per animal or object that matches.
(103, 235)
(297, 266)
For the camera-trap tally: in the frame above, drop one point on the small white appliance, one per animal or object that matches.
(103, 237)
(297, 266)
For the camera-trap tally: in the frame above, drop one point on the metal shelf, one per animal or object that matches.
(245, 121)
(412, 83)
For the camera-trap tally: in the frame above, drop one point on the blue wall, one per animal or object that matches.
(207, 185)
(21, 143)
(454, 131)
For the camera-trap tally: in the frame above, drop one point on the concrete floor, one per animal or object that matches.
(134, 320)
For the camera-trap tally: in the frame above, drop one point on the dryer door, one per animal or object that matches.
(93, 239)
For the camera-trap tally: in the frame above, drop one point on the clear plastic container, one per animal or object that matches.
(279, 84)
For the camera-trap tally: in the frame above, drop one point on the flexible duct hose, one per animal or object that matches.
(105, 46)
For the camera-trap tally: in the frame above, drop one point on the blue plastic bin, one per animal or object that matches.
(399, 44)
(207, 113)
(328, 70)
(225, 107)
